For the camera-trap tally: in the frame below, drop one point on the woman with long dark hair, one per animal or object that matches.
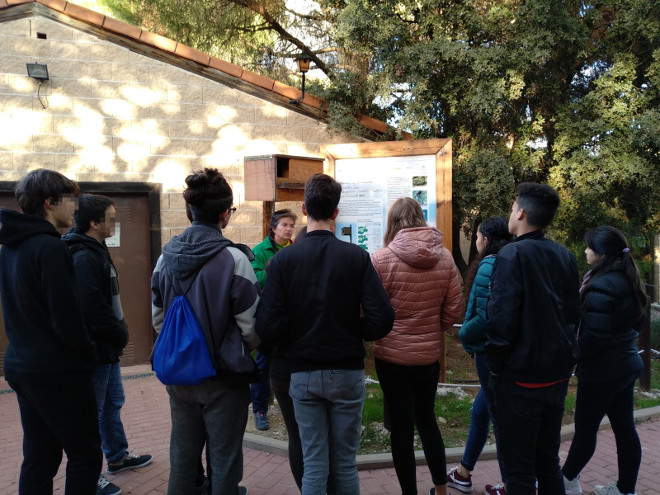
(613, 304)
(492, 235)
(422, 282)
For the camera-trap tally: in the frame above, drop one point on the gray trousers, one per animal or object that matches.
(213, 412)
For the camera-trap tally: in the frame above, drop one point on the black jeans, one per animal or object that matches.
(410, 393)
(529, 423)
(281, 390)
(595, 400)
(56, 417)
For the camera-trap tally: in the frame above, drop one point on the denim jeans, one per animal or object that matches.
(410, 393)
(529, 423)
(110, 398)
(55, 417)
(213, 412)
(260, 391)
(594, 400)
(328, 407)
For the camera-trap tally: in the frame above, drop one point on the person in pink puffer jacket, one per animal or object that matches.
(421, 279)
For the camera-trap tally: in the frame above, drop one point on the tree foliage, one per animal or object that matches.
(565, 92)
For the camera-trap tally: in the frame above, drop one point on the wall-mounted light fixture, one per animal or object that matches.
(303, 62)
(38, 71)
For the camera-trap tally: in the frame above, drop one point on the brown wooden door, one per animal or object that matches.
(132, 258)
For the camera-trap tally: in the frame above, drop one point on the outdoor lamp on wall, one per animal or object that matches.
(303, 62)
(38, 71)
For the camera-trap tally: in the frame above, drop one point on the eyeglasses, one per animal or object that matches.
(232, 209)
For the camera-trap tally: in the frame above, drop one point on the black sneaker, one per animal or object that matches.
(261, 421)
(104, 487)
(242, 490)
(129, 462)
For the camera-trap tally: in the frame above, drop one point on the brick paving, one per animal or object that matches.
(147, 421)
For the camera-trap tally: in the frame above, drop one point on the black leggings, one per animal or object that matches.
(409, 393)
(594, 401)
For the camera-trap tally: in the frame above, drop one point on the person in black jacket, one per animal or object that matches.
(613, 308)
(311, 308)
(50, 357)
(532, 318)
(99, 296)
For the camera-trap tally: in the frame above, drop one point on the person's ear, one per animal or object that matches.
(334, 215)
(48, 204)
(304, 210)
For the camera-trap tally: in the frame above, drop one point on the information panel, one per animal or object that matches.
(370, 186)
(374, 175)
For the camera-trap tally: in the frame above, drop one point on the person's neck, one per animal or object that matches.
(525, 229)
(94, 235)
(318, 224)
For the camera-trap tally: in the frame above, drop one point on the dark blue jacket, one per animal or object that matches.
(606, 343)
(92, 263)
(533, 311)
(48, 340)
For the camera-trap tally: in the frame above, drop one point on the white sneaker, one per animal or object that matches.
(572, 487)
(610, 489)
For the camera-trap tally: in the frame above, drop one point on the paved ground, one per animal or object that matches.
(147, 421)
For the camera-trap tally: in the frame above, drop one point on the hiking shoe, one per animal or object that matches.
(130, 461)
(572, 487)
(455, 480)
(261, 421)
(104, 487)
(494, 489)
(611, 489)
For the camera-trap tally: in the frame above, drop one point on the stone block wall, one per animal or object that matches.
(112, 114)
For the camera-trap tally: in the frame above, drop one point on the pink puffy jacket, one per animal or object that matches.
(423, 284)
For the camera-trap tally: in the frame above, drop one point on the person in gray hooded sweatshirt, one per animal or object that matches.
(222, 289)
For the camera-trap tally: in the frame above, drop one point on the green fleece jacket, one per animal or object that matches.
(263, 252)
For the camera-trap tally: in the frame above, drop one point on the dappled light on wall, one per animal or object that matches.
(171, 174)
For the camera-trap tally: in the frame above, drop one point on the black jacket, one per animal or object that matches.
(533, 311)
(47, 337)
(92, 264)
(312, 299)
(606, 342)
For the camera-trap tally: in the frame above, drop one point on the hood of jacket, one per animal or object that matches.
(76, 241)
(16, 227)
(184, 254)
(420, 247)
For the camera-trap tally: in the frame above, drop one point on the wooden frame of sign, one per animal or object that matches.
(440, 149)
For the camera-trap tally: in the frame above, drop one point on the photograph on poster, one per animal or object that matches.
(371, 185)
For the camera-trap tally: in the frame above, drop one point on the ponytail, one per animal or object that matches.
(611, 242)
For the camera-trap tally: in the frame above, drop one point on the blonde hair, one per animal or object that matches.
(405, 213)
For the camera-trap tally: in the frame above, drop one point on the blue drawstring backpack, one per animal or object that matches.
(180, 356)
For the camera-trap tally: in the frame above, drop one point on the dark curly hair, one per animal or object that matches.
(207, 195)
(496, 230)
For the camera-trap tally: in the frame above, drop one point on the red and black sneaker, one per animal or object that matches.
(460, 483)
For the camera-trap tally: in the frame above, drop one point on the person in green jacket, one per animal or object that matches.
(282, 226)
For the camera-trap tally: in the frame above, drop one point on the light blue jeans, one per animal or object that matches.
(110, 398)
(328, 407)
